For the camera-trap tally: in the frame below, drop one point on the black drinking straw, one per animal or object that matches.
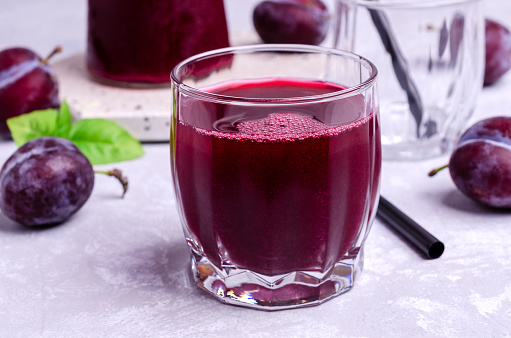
(382, 24)
(425, 242)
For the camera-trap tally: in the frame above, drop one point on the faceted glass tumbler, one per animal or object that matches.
(430, 60)
(275, 157)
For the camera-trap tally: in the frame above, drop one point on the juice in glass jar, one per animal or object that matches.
(142, 40)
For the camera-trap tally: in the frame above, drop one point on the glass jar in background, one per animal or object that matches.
(140, 41)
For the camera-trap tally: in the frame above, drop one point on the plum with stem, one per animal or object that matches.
(27, 83)
(46, 181)
(480, 166)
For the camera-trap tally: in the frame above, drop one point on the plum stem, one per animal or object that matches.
(117, 174)
(435, 171)
(57, 50)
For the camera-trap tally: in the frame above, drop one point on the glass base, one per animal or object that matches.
(97, 77)
(416, 151)
(296, 289)
(402, 139)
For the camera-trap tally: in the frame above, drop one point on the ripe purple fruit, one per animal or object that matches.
(498, 51)
(27, 83)
(45, 181)
(480, 166)
(291, 21)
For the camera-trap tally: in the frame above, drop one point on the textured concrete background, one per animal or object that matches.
(119, 267)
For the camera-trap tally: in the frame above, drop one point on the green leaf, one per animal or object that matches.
(103, 141)
(63, 121)
(33, 125)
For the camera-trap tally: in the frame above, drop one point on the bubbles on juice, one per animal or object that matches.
(281, 124)
(281, 127)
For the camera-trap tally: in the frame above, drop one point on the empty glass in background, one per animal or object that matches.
(430, 59)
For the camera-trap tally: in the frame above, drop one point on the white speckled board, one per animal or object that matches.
(144, 112)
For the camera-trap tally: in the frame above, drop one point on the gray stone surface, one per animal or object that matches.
(119, 267)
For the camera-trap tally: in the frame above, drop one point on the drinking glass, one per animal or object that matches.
(275, 156)
(430, 59)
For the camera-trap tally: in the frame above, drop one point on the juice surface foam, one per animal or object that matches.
(282, 127)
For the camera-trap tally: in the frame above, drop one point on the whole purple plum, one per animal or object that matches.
(498, 51)
(480, 166)
(45, 181)
(291, 21)
(27, 83)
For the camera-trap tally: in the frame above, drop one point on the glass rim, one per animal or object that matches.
(246, 49)
(407, 4)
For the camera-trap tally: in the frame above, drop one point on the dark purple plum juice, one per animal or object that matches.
(142, 40)
(277, 189)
